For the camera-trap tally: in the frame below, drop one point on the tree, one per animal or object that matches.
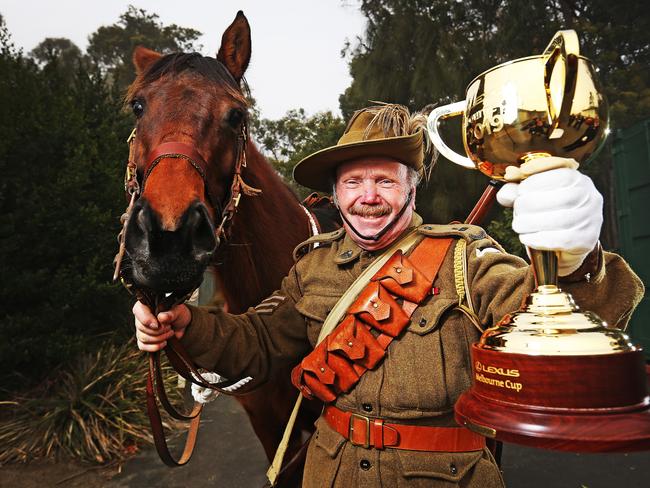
(291, 138)
(111, 47)
(61, 51)
(62, 156)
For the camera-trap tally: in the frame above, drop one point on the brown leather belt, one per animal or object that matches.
(372, 432)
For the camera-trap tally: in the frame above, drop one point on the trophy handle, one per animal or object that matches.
(440, 113)
(564, 48)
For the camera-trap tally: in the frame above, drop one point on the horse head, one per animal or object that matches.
(189, 147)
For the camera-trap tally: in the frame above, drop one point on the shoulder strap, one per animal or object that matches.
(462, 285)
(304, 246)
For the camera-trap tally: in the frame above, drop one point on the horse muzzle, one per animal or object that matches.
(167, 260)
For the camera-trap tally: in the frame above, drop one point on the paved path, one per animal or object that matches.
(229, 456)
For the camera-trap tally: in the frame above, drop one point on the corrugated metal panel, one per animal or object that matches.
(631, 153)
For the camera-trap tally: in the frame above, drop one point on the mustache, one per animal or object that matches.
(365, 210)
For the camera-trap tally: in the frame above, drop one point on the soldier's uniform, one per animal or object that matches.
(425, 369)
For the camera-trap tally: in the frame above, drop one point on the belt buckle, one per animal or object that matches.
(366, 443)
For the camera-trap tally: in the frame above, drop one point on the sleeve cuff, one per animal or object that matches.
(590, 269)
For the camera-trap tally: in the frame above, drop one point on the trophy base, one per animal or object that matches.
(574, 432)
(585, 403)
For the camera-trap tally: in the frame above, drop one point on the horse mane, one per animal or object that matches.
(206, 66)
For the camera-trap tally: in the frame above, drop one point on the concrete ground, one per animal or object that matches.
(228, 455)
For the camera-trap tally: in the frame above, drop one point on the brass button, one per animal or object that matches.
(398, 270)
(322, 370)
(367, 407)
(350, 343)
(453, 469)
(365, 464)
(423, 322)
(375, 304)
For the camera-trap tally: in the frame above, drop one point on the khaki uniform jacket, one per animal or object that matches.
(425, 370)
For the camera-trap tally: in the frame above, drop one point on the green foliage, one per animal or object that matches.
(91, 411)
(111, 47)
(62, 155)
(60, 52)
(288, 140)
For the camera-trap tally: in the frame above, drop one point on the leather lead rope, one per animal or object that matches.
(155, 390)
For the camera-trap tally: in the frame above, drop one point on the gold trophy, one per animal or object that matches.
(547, 375)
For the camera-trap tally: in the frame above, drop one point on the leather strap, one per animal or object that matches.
(341, 307)
(154, 382)
(155, 390)
(327, 370)
(377, 433)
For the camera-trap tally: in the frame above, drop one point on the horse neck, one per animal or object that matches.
(263, 234)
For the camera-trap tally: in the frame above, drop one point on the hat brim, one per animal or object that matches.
(317, 171)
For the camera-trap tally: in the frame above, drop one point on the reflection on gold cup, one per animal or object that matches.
(546, 375)
(551, 104)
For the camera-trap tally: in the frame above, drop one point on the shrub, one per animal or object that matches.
(92, 411)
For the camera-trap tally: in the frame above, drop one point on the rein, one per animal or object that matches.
(158, 302)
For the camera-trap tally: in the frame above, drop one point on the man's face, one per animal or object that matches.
(371, 192)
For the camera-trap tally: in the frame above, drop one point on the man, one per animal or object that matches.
(389, 421)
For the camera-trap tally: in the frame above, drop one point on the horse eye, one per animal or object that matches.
(138, 107)
(235, 117)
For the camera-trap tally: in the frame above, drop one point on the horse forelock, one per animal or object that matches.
(208, 67)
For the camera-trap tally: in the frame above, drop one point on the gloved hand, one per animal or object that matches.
(205, 395)
(558, 210)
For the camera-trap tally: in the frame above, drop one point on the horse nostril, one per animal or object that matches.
(144, 218)
(201, 236)
(139, 228)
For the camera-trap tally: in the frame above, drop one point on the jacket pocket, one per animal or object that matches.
(323, 456)
(427, 317)
(467, 469)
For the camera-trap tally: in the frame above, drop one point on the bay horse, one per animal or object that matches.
(186, 217)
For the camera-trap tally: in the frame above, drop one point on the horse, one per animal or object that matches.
(209, 197)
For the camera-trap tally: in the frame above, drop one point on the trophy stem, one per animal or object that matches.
(544, 267)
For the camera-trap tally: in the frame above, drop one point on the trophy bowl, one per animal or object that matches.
(550, 104)
(547, 375)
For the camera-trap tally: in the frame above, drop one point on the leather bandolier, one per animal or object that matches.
(378, 315)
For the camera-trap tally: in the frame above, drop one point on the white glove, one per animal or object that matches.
(558, 210)
(205, 395)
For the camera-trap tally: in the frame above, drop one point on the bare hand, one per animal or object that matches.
(153, 332)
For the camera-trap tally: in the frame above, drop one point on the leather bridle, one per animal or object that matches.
(158, 302)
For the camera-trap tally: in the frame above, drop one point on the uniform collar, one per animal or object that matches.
(349, 250)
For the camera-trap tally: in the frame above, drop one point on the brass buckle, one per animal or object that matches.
(366, 444)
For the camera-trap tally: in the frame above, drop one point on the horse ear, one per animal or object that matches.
(235, 50)
(143, 58)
